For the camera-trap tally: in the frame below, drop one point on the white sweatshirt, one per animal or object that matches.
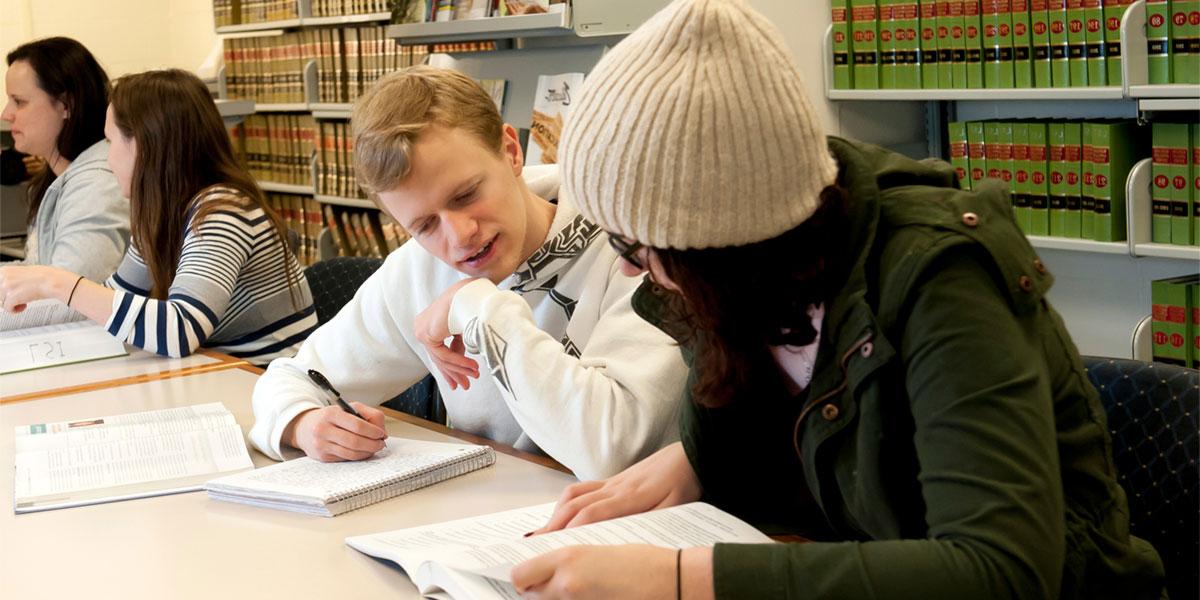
(566, 366)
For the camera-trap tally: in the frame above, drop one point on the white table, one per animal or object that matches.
(188, 546)
(137, 364)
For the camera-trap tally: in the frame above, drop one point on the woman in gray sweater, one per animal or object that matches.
(57, 96)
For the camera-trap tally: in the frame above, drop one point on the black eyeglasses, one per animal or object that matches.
(626, 250)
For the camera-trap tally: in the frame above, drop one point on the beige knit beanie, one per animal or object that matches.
(695, 132)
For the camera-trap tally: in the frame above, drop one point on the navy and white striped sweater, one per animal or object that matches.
(229, 293)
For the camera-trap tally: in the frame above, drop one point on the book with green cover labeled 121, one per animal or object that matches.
(328, 489)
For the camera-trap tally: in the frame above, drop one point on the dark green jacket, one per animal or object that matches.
(949, 445)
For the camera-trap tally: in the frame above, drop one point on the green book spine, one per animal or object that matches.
(1178, 144)
(1195, 184)
(1087, 190)
(1158, 48)
(1113, 11)
(887, 44)
(976, 155)
(1073, 162)
(864, 36)
(908, 12)
(1056, 136)
(1185, 41)
(1060, 66)
(974, 44)
(929, 45)
(991, 149)
(1039, 179)
(1194, 324)
(1022, 45)
(1077, 43)
(1160, 184)
(945, 46)
(1039, 28)
(1114, 152)
(1169, 320)
(956, 134)
(958, 41)
(996, 18)
(1021, 183)
(1004, 147)
(843, 77)
(1093, 30)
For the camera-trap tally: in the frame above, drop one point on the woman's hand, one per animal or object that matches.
(432, 326)
(23, 284)
(662, 479)
(636, 572)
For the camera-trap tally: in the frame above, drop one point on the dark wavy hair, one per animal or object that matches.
(67, 72)
(735, 302)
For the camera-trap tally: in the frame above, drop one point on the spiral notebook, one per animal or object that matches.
(310, 486)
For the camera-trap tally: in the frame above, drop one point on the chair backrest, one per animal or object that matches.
(334, 281)
(1153, 410)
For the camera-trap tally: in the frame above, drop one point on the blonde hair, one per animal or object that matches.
(389, 117)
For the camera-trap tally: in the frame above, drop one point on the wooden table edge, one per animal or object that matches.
(227, 362)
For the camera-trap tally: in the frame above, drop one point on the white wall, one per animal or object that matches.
(126, 36)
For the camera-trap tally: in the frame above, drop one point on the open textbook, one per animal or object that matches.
(39, 313)
(53, 345)
(327, 489)
(104, 459)
(470, 559)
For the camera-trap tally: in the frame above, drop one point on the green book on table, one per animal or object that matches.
(1039, 179)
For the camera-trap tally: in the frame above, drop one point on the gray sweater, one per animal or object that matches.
(82, 225)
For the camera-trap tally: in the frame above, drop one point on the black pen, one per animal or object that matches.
(324, 384)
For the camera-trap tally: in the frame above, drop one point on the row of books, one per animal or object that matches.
(277, 147)
(338, 8)
(348, 59)
(1067, 178)
(971, 44)
(302, 216)
(1175, 320)
(1175, 183)
(235, 12)
(429, 11)
(335, 161)
(362, 232)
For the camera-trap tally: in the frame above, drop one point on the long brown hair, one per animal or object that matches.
(68, 73)
(183, 151)
(737, 301)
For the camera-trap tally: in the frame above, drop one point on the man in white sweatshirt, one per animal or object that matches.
(546, 352)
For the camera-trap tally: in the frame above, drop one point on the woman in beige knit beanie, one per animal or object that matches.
(874, 364)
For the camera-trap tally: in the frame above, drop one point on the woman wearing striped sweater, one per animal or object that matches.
(209, 265)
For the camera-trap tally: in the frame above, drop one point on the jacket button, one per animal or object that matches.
(829, 412)
(970, 219)
(867, 350)
(1025, 283)
(1039, 266)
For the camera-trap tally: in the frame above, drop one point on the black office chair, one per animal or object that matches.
(334, 281)
(1153, 413)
